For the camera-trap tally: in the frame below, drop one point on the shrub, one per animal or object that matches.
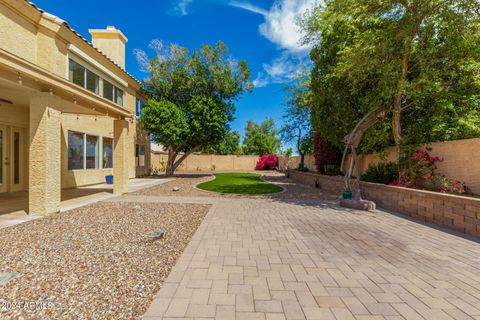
(383, 172)
(267, 162)
(419, 171)
(332, 170)
(324, 153)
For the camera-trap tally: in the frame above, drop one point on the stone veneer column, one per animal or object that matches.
(120, 159)
(44, 155)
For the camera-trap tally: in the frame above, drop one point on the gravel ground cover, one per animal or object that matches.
(95, 262)
(187, 183)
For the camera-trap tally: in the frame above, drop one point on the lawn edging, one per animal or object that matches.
(455, 212)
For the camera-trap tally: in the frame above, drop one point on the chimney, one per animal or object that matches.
(111, 42)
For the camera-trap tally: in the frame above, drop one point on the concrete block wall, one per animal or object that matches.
(461, 161)
(207, 163)
(285, 162)
(458, 213)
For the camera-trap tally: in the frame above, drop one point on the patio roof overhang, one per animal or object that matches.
(35, 78)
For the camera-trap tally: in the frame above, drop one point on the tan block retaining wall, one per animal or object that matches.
(454, 212)
(461, 161)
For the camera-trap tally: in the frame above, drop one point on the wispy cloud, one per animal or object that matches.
(181, 7)
(281, 28)
(249, 7)
(283, 69)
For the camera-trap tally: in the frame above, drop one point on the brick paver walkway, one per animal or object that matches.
(264, 259)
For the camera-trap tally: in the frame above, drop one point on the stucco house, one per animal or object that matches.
(68, 108)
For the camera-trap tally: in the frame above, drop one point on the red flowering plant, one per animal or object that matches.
(419, 171)
(267, 162)
(324, 153)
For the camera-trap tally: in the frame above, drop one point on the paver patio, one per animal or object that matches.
(307, 259)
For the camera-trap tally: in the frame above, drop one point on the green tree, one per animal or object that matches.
(229, 145)
(261, 139)
(192, 97)
(297, 126)
(412, 63)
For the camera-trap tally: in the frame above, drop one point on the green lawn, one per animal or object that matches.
(239, 183)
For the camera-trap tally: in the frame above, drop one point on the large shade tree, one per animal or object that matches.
(229, 145)
(261, 138)
(297, 127)
(192, 97)
(408, 69)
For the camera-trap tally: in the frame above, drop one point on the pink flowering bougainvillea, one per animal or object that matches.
(268, 162)
(421, 173)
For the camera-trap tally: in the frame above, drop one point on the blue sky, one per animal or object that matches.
(261, 31)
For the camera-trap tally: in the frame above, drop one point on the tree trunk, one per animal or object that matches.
(302, 160)
(353, 140)
(170, 170)
(182, 158)
(397, 104)
(299, 149)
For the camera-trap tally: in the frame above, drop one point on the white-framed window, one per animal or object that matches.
(108, 90)
(107, 153)
(88, 79)
(92, 148)
(83, 151)
(92, 82)
(118, 95)
(139, 106)
(77, 73)
(76, 150)
(140, 155)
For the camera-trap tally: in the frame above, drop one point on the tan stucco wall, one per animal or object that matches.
(13, 116)
(208, 163)
(102, 127)
(37, 38)
(27, 33)
(17, 33)
(16, 117)
(44, 149)
(114, 48)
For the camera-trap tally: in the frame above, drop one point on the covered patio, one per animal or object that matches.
(32, 103)
(14, 206)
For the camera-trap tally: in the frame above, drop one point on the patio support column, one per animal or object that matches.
(44, 158)
(120, 163)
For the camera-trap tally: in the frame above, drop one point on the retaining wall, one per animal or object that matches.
(454, 212)
(461, 161)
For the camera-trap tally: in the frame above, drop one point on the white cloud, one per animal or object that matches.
(281, 70)
(181, 7)
(280, 26)
(249, 7)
